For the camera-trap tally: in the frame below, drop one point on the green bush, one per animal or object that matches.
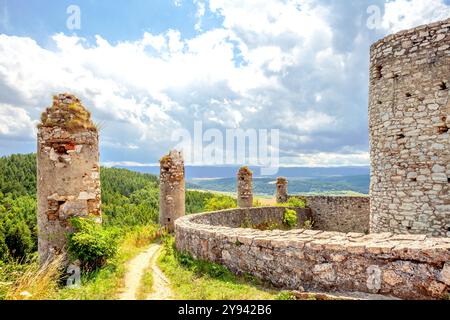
(4, 252)
(220, 202)
(290, 218)
(308, 224)
(295, 203)
(91, 243)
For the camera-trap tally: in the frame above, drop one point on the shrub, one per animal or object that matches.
(295, 203)
(290, 218)
(308, 224)
(91, 244)
(219, 202)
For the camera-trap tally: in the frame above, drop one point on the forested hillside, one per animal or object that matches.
(128, 199)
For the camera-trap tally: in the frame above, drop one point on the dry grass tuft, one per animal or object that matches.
(37, 283)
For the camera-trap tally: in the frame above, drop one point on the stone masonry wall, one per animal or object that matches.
(236, 218)
(68, 172)
(172, 189)
(339, 213)
(409, 109)
(404, 266)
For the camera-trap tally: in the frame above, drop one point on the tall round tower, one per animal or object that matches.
(68, 172)
(245, 188)
(409, 122)
(172, 189)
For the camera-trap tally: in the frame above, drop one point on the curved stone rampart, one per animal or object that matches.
(404, 266)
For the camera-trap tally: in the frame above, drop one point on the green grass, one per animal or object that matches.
(201, 280)
(146, 284)
(105, 283)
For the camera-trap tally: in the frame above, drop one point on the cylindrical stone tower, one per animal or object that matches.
(245, 188)
(409, 109)
(68, 172)
(282, 191)
(172, 189)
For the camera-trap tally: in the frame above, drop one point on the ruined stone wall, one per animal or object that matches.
(339, 213)
(404, 266)
(282, 190)
(172, 189)
(245, 188)
(409, 109)
(246, 217)
(68, 172)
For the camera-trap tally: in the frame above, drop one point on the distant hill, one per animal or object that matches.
(230, 171)
(266, 186)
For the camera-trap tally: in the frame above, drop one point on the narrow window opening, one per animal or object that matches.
(378, 72)
(400, 136)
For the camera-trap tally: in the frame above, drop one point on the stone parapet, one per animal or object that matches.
(403, 266)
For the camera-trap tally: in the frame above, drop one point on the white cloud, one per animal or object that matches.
(15, 123)
(295, 65)
(405, 14)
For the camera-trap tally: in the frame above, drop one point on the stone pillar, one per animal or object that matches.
(68, 172)
(245, 188)
(409, 107)
(172, 189)
(282, 192)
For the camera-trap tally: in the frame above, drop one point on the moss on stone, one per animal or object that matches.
(67, 112)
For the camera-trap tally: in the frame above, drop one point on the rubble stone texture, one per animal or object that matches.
(282, 190)
(245, 188)
(172, 189)
(68, 172)
(403, 266)
(409, 121)
(339, 213)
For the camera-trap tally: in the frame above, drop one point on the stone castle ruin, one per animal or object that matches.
(172, 189)
(409, 119)
(245, 188)
(282, 190)
(409, 203)
(395, 243)
(68, 172)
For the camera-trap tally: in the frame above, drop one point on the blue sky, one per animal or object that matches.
(118, 20)
(147, 68)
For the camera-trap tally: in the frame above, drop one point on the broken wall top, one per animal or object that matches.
(67, 113)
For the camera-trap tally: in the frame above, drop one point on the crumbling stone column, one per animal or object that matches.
(172, 189)
(409, 106)
(282, 192)
(245, 188)
(68, 172)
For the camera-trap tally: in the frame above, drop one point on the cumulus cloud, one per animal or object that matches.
(16, 124)
(300, 66)
(405, 14)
